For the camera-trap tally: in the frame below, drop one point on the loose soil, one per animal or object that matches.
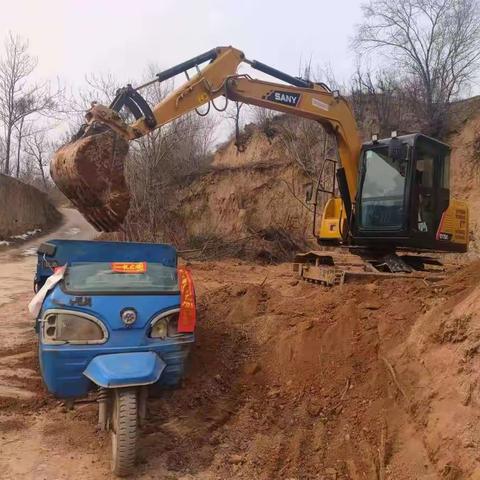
(287, 380)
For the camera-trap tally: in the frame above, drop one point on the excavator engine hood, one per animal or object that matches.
(90, 173)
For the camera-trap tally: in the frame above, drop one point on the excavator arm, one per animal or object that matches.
(329, 109)
(90, 170)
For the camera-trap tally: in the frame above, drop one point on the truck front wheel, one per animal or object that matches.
(124, 427)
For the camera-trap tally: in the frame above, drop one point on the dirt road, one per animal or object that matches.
(22, 448)
(287, 381)
(18, 263)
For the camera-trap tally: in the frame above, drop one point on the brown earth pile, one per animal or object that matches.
(294, 381)
(256, 195)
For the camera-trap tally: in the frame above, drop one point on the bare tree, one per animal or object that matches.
(22, 129)
(20, 135)
(380, 102)
(435, 42)
(264, 118)
(233, 113)
(2, 154)
(38, 148)
(19, 97)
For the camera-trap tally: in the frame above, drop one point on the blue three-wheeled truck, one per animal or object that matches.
(116, 318)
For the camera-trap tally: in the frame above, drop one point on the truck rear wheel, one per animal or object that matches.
(124, 430)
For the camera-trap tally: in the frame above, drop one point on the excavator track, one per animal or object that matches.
(328, 267)
(90, 173)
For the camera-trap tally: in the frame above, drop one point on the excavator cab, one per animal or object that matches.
(403, 196)
(401, 209)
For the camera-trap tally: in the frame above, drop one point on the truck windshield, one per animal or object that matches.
(382, 191)
(99, 277)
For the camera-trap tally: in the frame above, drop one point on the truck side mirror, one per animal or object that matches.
(47, 249)
(308, 192)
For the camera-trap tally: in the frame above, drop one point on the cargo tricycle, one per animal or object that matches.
(113, 319)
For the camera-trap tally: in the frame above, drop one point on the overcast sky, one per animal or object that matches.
(72, 38)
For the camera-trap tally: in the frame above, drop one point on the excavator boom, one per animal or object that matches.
(90, 169)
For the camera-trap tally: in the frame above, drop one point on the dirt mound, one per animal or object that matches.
(296, 381)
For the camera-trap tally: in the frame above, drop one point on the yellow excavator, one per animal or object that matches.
(394, 193)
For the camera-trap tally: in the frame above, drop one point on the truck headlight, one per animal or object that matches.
(72, 327)
(159, 328)
(166, 324)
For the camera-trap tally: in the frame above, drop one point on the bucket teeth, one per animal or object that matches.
(90, 173)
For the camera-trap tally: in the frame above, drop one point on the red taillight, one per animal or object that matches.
(188, 314)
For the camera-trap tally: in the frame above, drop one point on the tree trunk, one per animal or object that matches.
(8, 143)
(19, 146)
(40, 164)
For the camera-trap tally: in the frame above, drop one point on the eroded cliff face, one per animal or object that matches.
(253, 201)
(23, 208)
(233, 202)
(465, 162)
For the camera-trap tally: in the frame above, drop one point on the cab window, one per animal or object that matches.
(99, 277)
(425, 171)
(382, 196)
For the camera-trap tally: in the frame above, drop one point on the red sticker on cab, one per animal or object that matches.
(129, 267)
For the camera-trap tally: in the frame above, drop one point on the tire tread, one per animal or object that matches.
(127, 424)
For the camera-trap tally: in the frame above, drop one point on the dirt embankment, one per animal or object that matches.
(465, 142)
(23, 208)
(373, 381)
(248, 204)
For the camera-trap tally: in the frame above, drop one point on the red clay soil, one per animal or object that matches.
(291, 380)
(296, 381)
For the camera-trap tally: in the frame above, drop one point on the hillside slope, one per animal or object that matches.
(465, 142)
(248, 204)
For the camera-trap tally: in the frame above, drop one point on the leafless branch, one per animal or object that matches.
(20, 97)
(434, 43)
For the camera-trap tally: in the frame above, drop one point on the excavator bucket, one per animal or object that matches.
(90, 172)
